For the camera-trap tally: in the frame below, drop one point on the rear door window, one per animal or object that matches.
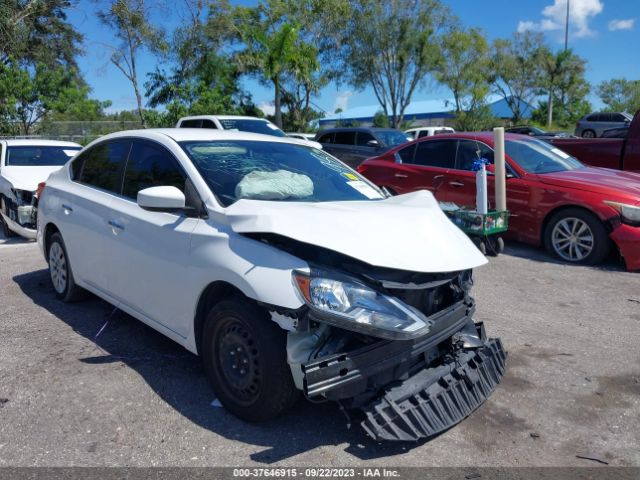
(437, 153)
(151, 165)
(345, 138)
(326, 138)
(364, 137)
(191, 124)
(101, 166)
(469, 151)
(208, 124)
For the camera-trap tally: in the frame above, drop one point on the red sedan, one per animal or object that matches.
(576, 212)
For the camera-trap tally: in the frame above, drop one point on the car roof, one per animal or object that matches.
(486, 137)
(360, 129)
(222, 117)
(200, 134)
(27, 142)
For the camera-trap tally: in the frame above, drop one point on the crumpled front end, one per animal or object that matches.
(19, 211)
(403, 388)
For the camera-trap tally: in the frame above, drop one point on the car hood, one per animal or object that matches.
(598, 180)
(27, 178)
(407, 232)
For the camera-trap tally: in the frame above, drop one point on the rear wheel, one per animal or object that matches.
(60, 271)
(588, 134)
(245, 357)
(577, 236)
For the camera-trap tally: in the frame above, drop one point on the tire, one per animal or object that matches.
(577, 236)
(6, 231)
(588, 134)
(238, 333)
(60, 271)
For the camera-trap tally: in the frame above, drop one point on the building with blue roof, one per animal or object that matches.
(424, 113)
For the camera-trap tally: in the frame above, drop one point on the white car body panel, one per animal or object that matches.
(415, 132)
(156, 265)
(406, 232)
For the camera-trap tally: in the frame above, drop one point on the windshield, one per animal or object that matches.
(252, 125)
(535, 156)
(275, 171)
(39, 156)
(391, 138)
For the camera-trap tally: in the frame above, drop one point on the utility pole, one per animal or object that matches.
(566, 29)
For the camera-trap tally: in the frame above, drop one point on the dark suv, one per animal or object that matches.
(352, 145)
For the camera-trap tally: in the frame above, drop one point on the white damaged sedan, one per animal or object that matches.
(23, 165)
(285, 270)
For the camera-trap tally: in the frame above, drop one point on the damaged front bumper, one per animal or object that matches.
(19, 212)
(413, 389)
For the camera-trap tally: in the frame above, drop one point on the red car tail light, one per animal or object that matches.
(40, 189)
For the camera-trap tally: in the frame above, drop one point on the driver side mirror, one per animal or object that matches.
(373, 143)
(161, 199)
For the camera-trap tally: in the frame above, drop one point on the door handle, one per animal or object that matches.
(115, 225)
(438, 177)
(401, 175)
(67, 209)
(456, 184)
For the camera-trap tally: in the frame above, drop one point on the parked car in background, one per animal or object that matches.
(354, 144)
(23, 165)
(236, 122)
(575, 211)
(420, 132)
(592, 125)
(302, 136)
(536, 132)
(620, 132)
(617, 153)
(285, 270)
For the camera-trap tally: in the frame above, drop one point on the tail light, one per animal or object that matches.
(40, 189)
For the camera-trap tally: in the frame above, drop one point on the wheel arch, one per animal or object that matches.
(212, 294)
(49, 230)
(560, 208)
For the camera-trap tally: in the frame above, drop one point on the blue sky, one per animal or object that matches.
(605, 32)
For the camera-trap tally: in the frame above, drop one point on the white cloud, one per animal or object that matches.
(267, 108)
(342, 100)
(554, 17)
(626, 24)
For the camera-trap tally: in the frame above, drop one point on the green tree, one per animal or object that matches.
(28, 94)
(380, 120)
(517, 67)
(37, 31)
(392, 46)
(563, 80)
(129, 20)
(202, 78)
(464, 69)
(620, 94)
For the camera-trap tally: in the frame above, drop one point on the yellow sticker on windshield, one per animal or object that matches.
(350, 176)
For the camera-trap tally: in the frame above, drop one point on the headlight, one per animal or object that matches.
(629, 213)
(349, 304)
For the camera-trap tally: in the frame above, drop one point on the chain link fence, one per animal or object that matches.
(81, 132)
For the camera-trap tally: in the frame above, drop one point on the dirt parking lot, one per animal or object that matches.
(130, 397)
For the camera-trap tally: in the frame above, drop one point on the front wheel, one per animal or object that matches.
(577, 236)
(245, 357)
(588, 134)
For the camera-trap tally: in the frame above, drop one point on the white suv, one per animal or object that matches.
(238, 123)
(284, 269)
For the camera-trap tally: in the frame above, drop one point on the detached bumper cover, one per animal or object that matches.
(435, 399)
(627, 238)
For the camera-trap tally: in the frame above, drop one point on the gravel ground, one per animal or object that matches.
(130, 397)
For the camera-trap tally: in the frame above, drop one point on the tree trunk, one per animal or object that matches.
(277, 101)
(550, 109)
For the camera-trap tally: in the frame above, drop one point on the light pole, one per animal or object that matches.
(566, 29)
